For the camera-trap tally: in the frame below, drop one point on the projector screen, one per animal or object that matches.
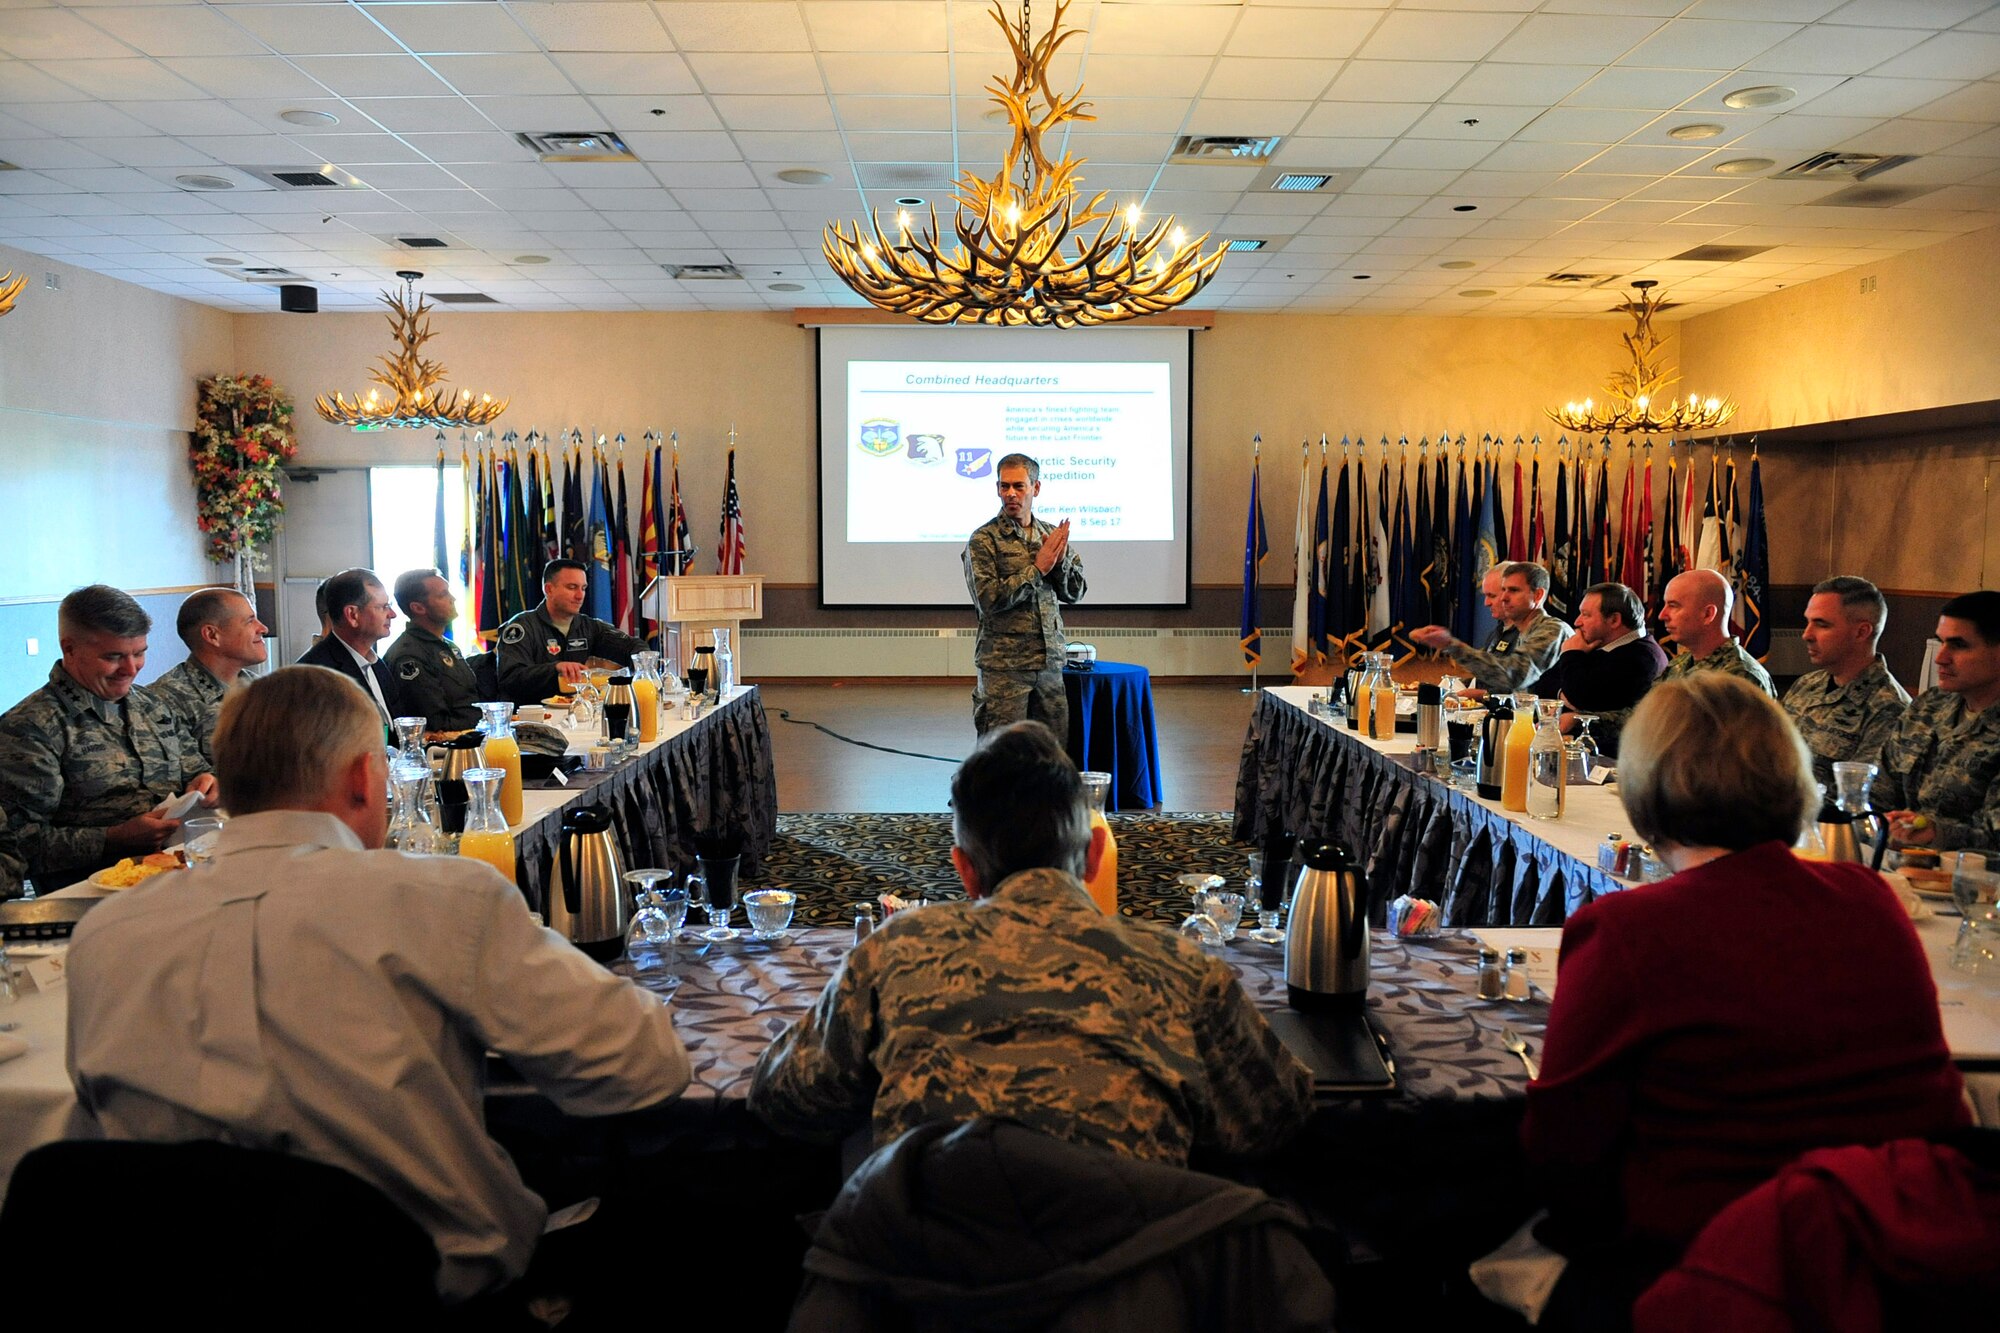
(913, 422)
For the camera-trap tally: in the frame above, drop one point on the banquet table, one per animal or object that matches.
(1309, 775)
(1111, 731)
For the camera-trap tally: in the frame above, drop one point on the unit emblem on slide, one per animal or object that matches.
(926, 449)
(975, 462)
(880, 436)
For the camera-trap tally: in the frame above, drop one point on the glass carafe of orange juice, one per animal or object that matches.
(1520, 740)
(486, 837)
(1102, 886)
(646, 695)
(504, 753)
(1382, 701)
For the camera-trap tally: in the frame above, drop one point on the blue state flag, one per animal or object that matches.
(598, 601)
(1486, 547)
(1756, 570)
(1256, 545)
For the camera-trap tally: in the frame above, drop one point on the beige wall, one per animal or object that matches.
(97, 393)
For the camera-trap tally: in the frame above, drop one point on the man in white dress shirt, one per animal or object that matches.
(312, 994)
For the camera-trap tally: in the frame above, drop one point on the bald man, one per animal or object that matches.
(1695, 615)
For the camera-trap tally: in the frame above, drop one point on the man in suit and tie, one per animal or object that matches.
(361, 612)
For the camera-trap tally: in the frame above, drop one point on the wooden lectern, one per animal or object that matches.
(698, 604)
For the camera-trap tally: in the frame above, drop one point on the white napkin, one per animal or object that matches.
(1521, 1274)
(11, 1046)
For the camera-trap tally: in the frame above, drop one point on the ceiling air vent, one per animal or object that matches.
(1244, 243)
(323, 177)
(1871, 196)
(1291, 180)
(305, 180)
(702, 272)
(277, 276)
(422, 243)
(1717, 254)
(576, 146)
(1233, 150)
(460, 298)
(1575, 280)
(1850, 166)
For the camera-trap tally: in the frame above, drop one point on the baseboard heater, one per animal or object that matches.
(848, 653)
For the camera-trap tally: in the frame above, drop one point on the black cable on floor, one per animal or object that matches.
(866, 745)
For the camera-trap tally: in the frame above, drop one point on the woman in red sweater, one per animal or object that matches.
(1712, 1027)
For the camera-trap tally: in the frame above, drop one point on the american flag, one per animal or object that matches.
(729, 551)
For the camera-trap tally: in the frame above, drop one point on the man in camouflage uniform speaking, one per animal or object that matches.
(1942, 765)
(1029, 1003)
(1851, 705)
(434, 681)
(84, 759)
(1018, 568)
(1528, 642)
(1695, 611)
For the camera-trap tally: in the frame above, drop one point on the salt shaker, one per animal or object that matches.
(864, 921)
(1491, 984)
(1514, 977)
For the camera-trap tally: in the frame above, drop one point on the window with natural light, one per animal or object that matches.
(402, 504)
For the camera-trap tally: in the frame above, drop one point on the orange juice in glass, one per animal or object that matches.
(1102, 886)
(486, 837)
(504, 753)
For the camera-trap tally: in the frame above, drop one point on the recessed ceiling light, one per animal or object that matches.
(804, 176)
(1363, 277)
(1458, 263)
(1699, 130)
(531, 259)
(1764, 94)
(911, 201)
(788, 286)
(1465, 208)
(301, 116)
(1743, 166)
(1479, 291)
(223, 261)
(196, 181)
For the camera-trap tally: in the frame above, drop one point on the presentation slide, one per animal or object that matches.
(928, 437)
(913, 425)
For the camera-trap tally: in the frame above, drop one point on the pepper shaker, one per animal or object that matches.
(1491, 985)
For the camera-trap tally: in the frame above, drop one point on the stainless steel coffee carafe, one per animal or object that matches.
(1326, 940)
(1493, 753)
(1836, 831)
(587, 904)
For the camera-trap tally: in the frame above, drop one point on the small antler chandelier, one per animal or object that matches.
(1637, 395)
(1006, 262)
(414, 397)
(10, 287)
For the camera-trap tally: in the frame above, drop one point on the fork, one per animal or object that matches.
(1518, 1044)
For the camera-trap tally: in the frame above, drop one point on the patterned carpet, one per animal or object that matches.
(832, 860)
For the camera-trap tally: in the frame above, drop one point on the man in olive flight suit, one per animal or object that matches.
(545, 648)
(1018, 568)
(436, 683)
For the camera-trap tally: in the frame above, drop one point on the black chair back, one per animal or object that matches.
(225, 1237)
(487, 672)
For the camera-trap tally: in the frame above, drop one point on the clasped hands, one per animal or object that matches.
(1053, 546)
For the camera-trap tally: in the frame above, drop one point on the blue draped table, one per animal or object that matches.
(1111, 731)
(1414, 834)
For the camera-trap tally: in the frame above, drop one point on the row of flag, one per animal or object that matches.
(529, 501)
(1382, 549)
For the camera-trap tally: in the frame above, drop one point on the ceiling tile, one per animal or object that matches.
(1395, 81)
(876, 75)
(1129, 76)
(1494, 123)
(77, 118)
(137, 79)
(876, 146)
(1243, 77)
(731, 26)
(315, 29)
(585, 25)
(492, 149)
(775, 113)
(1913, 13)
(440, 28)
(1572, 38)
(738, 72)
(1434, 153)
(1166, 30)
(1521, 85)
(893, 113)
(1130, 115)
(174, 30)
(244, 76)
(423, 115)
(55, 34)
(875, 25)
(1249, 118)
(373, 76)
(1868, 96)
(1329, 154)
(1707, 44)
(1362, 120)
(241, 116)
(656, 114)
(1418, 35)
(1958, 55)
(789, 146)
(1642, 89)
(512, 75)
(1329, 34)
(539, 114)
(1837, 50)
(1579, 125)
(22, 82)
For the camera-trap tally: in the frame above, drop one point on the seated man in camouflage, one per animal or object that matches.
(224, 640)
(1940, 777)
(1695, 614)
(1851, 705)
(1528, 642)
(433, 678)
(1029, 1003)
(86, 758)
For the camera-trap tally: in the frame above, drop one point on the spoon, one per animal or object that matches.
(1514, 1042)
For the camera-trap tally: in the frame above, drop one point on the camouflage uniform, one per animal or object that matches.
(1032, 1004)
(531, 645)
(1020, 648)
(1728, 656)
(1945, 762)
(1513, 659)
(11, 870)
(194, 697)
(434, 680)
(1843, 722)
(72, 765)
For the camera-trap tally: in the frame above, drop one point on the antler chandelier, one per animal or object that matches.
(10, 287)
(1637, 402)
(412, 379)
(1006, 260)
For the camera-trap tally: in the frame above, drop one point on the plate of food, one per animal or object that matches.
(137, 870)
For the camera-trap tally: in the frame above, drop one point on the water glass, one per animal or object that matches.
(1975, 888)
(865, 920)
(1225, 910)
(1201, 929)
(1198, 884)
(1267, 931)
(198, 839)
(770, 912)
(656, 921)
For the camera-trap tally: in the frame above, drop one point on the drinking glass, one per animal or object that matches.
(198, 839)
(1268, 908)
(865, 920)
(717, 905)
(1199, 883)
(1225, 910)
(697, 681)
(770, 912)
(1201, 929)
(1975, 888)
(657, 919)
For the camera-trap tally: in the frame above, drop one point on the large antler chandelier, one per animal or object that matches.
(412, 379)
(10, 287)
(1638, 401)
(1022, 250)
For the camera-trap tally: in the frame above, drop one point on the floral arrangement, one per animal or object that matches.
(245, 437)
